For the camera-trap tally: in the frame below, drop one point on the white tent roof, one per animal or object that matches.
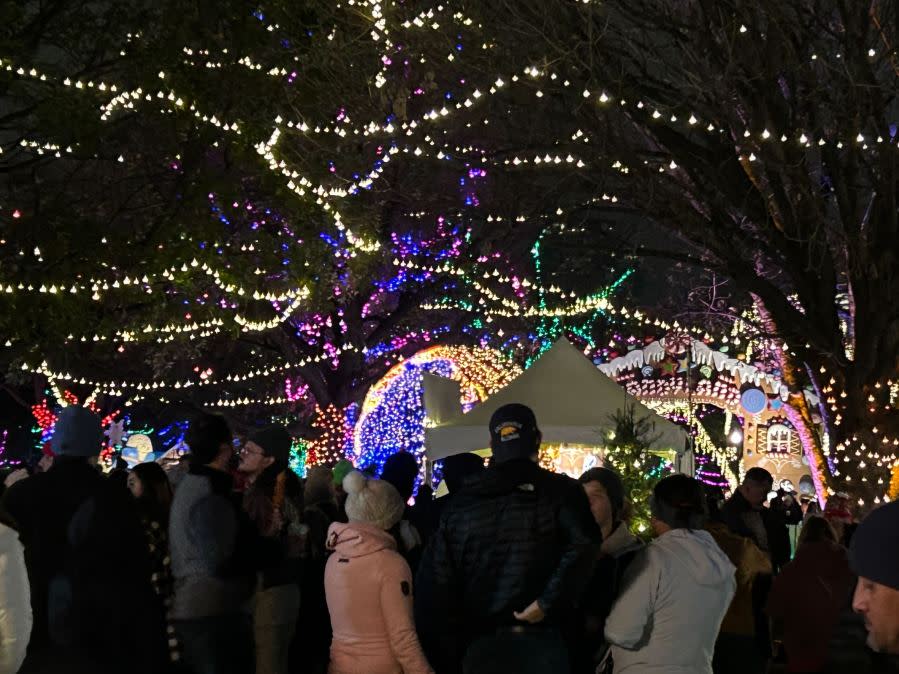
(573, 402)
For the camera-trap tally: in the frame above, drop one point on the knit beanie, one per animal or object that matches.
(874, 551)
(371, 501)
(610, 481)
(513, 433)
(77, 433)
(341, 469)
(459, 467)
(401, 470)
(275, 441)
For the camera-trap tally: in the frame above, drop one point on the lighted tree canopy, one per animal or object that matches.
(310, 193)
(224, 224)
(763, 135)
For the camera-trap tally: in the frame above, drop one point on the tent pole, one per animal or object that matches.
(428, 469)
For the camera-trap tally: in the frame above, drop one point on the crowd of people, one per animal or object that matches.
(228, 563)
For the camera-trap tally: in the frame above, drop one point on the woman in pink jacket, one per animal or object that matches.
(369, 586)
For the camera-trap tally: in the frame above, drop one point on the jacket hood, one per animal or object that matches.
(620, 541)
(699, 555)
(358, 539)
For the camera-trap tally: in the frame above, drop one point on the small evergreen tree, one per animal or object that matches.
(639, 468)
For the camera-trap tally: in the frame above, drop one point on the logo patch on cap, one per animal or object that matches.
(508, 430)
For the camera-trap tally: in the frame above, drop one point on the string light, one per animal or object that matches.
(298, 454)
(44, 369)
(668, 395)
(488, 303)
(392, 417)
(333, 427)
(4, 460)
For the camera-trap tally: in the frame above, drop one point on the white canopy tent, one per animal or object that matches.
(574, 403)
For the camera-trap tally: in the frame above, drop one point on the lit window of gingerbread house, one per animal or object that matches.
(781, 440)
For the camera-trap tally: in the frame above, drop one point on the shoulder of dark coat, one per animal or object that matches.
(486, 488)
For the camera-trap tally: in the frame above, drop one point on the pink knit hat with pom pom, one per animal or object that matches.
(370, 501)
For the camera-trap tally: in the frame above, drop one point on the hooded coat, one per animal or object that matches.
(667, 618)
(369, 590)
(15, 603)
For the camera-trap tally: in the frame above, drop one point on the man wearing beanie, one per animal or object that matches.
(88, 566)
(265, 449)
(874, 556)
(513, 552)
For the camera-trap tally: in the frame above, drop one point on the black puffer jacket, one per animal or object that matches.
(514, 534)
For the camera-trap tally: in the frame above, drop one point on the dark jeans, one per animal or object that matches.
(738, 654)
(217, 645)
(530, 651)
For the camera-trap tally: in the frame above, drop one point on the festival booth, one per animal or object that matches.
(574, 404)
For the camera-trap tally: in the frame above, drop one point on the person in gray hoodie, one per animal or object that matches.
(212, 547)
(676, 592)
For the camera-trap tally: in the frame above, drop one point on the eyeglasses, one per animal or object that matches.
(245, 451)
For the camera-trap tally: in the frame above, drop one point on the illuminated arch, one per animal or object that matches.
(392, 417)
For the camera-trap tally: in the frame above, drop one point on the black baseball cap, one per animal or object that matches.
(513, 432)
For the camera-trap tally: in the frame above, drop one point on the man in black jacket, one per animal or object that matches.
(512, 553)
(874, 556)
(88, 565)
(745, 515)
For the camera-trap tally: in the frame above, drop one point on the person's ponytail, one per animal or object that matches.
(678, 501)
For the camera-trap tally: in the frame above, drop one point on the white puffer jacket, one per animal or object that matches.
(15, 602)
(676, 593)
